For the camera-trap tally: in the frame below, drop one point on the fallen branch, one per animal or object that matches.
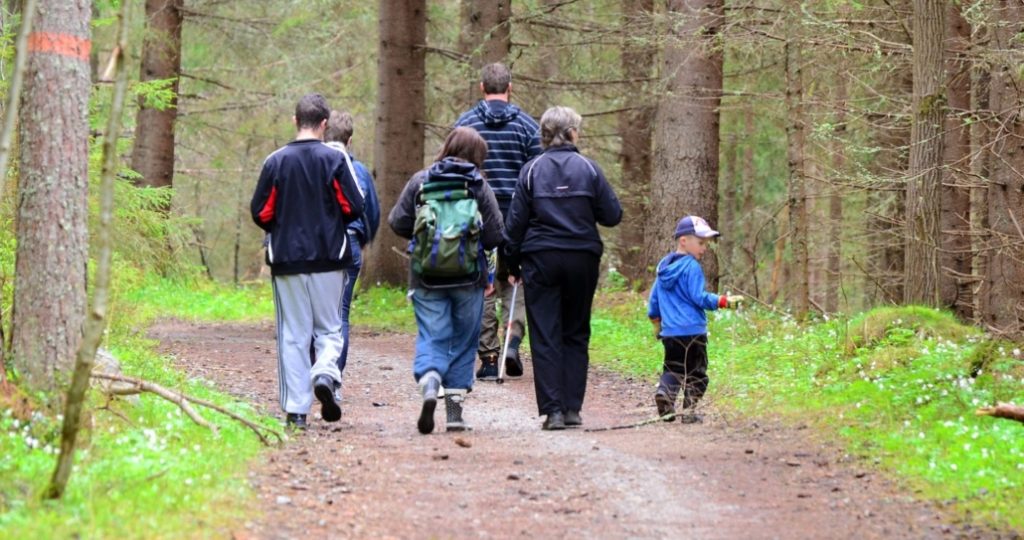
(654, 420)
(1003, 410)
(184, 402)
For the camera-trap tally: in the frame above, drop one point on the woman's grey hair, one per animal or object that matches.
(556, 124)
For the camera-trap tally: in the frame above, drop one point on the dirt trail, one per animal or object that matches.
(372, 475)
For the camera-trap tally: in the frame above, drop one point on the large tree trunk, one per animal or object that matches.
(485, 36)
(401, 101)
(921, 263)
(685, 179)
(636, 131)
(49, 289)
(1006, 190)
(980, 137)
(833, 257)
(796, 188)
(955, 257)
(153, 153)
(97, 321)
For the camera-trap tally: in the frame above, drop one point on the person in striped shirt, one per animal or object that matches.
(513, 138)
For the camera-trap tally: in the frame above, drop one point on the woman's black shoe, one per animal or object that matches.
(554, 421)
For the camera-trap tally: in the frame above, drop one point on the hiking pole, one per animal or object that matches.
(508, 330)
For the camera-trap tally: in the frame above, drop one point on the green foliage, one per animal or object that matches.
(904, 397)
(145, 469)
(384, 309)
(156, 93)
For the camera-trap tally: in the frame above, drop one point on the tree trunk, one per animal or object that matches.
(401, 101)
(1006, 190)
(796, 187)
(727, 224)
(635, 129)
(922, 234)
(50, 279)
(980, 137)
(153, 153)
(833, 258)
(685, 174)
(485, 36)
(750, 229)
(955, 257)
(97, 320)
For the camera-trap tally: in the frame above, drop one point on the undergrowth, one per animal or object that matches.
(898, 385)
(143, 469)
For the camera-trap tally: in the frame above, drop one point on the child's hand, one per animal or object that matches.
(657, 328)
(734, 299)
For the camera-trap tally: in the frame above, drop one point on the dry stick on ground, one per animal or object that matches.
(1003, 410)
(184, 401)
(641, 423)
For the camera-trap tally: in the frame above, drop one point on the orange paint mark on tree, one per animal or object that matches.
(62, 44)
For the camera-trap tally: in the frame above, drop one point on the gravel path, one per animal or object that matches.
(371, 475)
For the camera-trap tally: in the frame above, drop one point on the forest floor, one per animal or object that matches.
(373, 475)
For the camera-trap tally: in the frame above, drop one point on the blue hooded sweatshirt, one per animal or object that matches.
(678, 297)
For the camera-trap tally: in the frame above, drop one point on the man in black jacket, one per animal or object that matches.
(304, 199)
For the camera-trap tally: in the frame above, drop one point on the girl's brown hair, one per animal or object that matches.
(466, 144)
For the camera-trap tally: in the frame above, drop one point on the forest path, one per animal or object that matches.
(373, 475)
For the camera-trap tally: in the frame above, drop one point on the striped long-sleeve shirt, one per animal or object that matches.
(513, 138)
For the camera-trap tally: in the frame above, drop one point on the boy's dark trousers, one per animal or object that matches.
(686, 366)
(559, 288)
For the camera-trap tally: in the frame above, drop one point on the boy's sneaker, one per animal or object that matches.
(572, 419)
(295, 421)
(453, 401)
(666, 409)
(488, 368)
(430, 382)
(513, 364)
(323, 389)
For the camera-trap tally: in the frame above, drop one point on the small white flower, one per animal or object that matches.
(952, 466)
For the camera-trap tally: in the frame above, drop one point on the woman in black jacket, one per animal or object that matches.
(553, 245)
(448, 308)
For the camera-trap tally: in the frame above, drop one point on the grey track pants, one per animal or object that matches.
(308, 310)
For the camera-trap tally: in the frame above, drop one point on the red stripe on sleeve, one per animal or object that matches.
(346, 207)
(267, 213)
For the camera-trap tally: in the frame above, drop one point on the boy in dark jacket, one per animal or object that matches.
(677, 305)
(305, 198)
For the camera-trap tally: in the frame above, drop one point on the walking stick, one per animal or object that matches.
(508, 330)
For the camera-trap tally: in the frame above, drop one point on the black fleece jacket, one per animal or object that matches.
(560, 199)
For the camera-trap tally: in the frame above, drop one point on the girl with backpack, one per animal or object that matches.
(450, 215)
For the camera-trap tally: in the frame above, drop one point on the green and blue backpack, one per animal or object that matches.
(446, 235)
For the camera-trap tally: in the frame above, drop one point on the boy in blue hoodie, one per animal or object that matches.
(676, 308)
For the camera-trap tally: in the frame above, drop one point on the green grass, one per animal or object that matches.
(143, 469)
(383, 309)
(898, 386)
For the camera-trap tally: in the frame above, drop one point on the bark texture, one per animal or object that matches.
(485, 37)
(401, 101)
(921, 266)
(1006, 189)
(797, 185)
(153, 153)
(955, 257)
(685, 174)
(636, 130)
(49, 290)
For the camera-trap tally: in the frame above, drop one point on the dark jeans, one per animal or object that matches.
(559, 287)
(346, 297)
(686, 366)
